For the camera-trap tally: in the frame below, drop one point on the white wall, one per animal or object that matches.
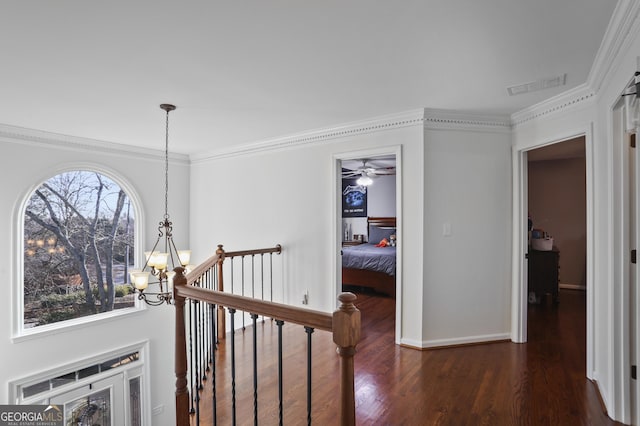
(467, 273)
(23, 166)
(288, 196)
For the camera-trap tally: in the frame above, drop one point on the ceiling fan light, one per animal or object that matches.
(364, 180)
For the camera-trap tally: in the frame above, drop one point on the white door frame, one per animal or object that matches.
(519, 263)
(625, 398)
(337, 224)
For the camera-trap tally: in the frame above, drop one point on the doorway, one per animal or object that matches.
(356, 227)
(583, 277)
(557, 245)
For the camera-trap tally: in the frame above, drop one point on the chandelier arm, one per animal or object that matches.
(146, 263)
(161, 298)
(172, 245)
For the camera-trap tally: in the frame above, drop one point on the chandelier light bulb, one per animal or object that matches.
(184, 256)
(140, 280)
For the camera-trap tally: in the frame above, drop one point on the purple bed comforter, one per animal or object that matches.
(370, 257)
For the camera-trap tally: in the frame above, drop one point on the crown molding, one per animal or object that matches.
(33, 137)
(319, 136)
(582, 95)
(439, 119)
(427, 118)
(622, 30)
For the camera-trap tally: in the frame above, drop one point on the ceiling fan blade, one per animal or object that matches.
(350, 174)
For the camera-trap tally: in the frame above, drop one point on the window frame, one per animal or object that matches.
(138, 370)
(19, 332)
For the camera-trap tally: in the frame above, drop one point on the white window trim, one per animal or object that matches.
(138, 369)
(19, 333)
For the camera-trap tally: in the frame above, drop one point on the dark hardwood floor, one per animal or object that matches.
(541, 382)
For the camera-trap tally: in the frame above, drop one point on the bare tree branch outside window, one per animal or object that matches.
(78, 236)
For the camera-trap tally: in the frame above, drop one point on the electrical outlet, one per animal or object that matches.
(305, 298)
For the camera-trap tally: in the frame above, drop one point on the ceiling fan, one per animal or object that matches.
(367, 171)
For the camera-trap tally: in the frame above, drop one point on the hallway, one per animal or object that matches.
(538, 383)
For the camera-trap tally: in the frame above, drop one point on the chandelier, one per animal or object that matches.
(158, 290)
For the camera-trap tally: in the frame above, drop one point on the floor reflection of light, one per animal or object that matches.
(366, 387)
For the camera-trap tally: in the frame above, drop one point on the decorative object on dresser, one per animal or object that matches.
(364, 265)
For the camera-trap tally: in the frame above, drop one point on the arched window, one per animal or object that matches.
(78, 247)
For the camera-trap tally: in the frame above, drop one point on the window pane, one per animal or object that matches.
(28, 391)
(63, 380)
(89, 371)
(94, 409)
(134, 401)
(108, 365)
(74, 265)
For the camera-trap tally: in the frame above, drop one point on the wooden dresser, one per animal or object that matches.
(544, 273)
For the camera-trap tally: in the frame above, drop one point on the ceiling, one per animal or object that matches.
(573, 148)
(245, 71)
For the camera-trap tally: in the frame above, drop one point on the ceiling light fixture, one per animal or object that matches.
(364, 179)
(156, 263)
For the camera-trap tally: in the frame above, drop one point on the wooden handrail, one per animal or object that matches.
(287, 313)
(277, 249)
(344, 325)
(196, 273)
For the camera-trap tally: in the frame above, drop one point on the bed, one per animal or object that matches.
(368, 266)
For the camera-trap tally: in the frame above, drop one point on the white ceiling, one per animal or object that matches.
(243, 71)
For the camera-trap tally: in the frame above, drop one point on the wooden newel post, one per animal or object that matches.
(182, 390)
(222, 326)
(346, 334)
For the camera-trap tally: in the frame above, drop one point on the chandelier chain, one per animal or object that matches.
(166, 168)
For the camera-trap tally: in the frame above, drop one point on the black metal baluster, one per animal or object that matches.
(280, 323)
(262, 276)
(198, 345)
(254, 317)
(203, 347)
(242, 258)
(271, 273)
(232, 313)
(232, 259)
(309, 331)
(208, 321)
(214, 280)
(212, 329)
(253, 276)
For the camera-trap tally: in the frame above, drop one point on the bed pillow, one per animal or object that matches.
(377, 234)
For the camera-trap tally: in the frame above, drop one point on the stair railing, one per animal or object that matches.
(205, 284)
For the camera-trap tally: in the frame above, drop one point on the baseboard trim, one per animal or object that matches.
(572, 286)
(599, 394)
(455, 342)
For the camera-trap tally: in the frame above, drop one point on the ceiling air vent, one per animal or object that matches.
(545, 83)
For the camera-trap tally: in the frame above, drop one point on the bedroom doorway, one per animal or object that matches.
(368, 232)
